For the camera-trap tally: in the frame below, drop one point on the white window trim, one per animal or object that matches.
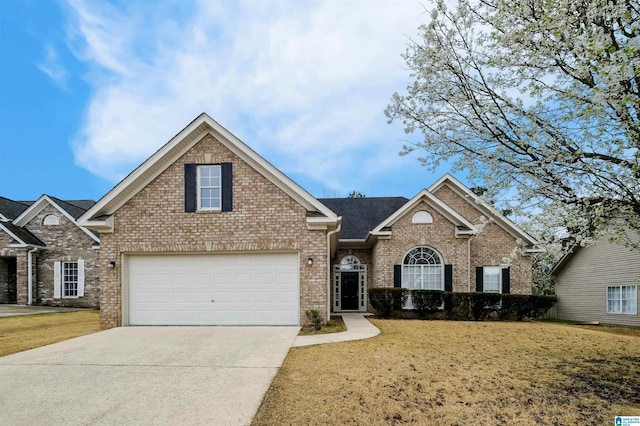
(58, 279)
(421, 267)
(634, 299)
(484, 279)
(199, 187)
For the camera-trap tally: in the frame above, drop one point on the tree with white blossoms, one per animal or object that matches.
(541, 97)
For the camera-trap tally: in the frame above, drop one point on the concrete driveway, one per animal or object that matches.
(144, 376)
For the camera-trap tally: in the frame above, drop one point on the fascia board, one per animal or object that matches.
(181, 143)
(483, 206)
(104, 225)
(39, 205)
(431, 200)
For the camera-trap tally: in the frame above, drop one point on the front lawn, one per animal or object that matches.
(24, 332)
(443, 372)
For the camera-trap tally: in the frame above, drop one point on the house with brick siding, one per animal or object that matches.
(46, 258)
(207, 232)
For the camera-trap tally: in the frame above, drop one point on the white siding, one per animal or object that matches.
(581, 283)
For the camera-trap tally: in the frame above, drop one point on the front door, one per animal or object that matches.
(349, 291)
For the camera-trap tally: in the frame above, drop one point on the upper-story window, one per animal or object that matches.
(209, 188)
(51, 220)
(422, 217)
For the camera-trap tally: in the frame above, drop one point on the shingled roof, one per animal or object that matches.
(12, 209)
(361, 215)
(23, 235)
(75, 208)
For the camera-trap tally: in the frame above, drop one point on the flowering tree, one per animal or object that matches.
(538, 96)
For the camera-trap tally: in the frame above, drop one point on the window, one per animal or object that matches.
(51, 220)
(69, 279)
(491, 279)
(209, 188)
(422, 268)
(422, 217)
(622, 299)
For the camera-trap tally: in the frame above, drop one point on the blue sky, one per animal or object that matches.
(89, 89)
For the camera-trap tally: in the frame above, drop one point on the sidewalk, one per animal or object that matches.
(358, 327)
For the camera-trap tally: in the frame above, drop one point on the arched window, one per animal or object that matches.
(50, 220)
(422, 217)
(422, 268)
(350, 260)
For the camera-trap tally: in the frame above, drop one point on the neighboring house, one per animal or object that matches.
(599, 282)
(206, 231)
(46, 258)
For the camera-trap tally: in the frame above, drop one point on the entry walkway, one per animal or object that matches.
(358, 327)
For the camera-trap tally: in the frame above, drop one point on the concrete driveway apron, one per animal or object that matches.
(144, 376)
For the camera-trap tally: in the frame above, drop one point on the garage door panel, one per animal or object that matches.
(247, 289)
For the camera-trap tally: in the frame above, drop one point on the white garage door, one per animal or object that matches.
(239, 289)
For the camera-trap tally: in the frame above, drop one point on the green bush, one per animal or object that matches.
(426, 302)
(386, 300)
(456, 305)
(482, 304)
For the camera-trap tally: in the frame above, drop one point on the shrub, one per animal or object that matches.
(314, 317)
(387, 300)
(482, 304)
(426, 302)
(456, 306)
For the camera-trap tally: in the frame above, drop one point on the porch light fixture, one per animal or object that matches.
(310, 261)
(111, 264)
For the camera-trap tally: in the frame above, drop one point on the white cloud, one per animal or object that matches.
(303, 83)
(52, 66)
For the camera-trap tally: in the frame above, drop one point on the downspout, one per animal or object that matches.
(329, 274)
(469, 265)
(30, 275)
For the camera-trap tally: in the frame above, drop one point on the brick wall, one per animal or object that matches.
(264, 218)
(492, 245)
(439, 235)
(64, 242)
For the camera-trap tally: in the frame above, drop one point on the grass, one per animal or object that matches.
(334, 325)
(24, 332)
(442, 372)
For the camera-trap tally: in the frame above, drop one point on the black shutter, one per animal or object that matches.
(227, 187)
(506, 280)
(190, 186)
(397, 276)
(448, 277)
(479, 279)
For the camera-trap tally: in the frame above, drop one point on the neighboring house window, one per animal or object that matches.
(491, 279)
(622, 299)
(68, 279)
(422, 268)
(51, 220)
(209, 188)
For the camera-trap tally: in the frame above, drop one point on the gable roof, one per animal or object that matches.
(484, 208)
(70, 211)
(463, 226)
(361, 215)
(10, 209)
(21, 236)
(99, 216)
